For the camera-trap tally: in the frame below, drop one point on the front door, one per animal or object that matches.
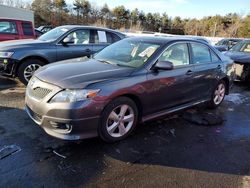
(78, 46)
(171, 88)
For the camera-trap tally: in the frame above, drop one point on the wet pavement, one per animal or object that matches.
(196, 148)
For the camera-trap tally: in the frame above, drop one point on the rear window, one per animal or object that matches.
(201, 53)
(8, 27)
(27, 28)
(111, 37)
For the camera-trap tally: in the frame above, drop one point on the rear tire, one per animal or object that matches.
(27, 69)
(118, 120)
(218, 95)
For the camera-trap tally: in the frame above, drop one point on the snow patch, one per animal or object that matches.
(236, 98)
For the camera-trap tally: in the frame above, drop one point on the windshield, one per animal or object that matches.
(243, 46)
(128, 52)
(53, 34)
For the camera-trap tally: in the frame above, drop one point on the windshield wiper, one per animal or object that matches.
(104, 61)
(123, 65)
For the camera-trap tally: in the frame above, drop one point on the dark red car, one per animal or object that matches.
(16, 29)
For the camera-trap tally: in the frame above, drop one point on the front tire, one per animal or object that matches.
(218, 95)
(28, 68)
(118, 120)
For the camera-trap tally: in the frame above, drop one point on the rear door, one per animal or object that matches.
(172, 88)
(79, 45)
(8, 30)
(207, 67)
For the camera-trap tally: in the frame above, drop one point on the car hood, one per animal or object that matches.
(78, 73)
(241, 57)
(15, 44)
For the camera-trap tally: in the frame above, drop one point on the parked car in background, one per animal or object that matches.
(11, 29)
(226, 44)
(22, 58)
(45, 28)
(134, 80)
(240, 54)
(38, 33)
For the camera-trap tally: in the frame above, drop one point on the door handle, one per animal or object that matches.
(219, 67)
(87, 50)
(189, 72)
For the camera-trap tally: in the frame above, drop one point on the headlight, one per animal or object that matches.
(6, 54)
(68, 96)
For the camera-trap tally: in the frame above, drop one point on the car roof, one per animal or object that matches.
(164, 40)
(90, 27)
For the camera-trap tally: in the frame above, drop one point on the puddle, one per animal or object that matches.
(7, 151)
(236, 98)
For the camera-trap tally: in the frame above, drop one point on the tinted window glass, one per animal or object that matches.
(27, 29)
(80, 36)
(201, 53)
(8, 27)
(111, 38)
(214, 57)
(177, 54)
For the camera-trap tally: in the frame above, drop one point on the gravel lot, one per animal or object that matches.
(183, 150)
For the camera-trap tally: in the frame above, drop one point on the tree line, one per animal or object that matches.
(58, 12)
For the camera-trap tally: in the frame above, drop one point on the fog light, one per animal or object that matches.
(5, 61)
(61, 127)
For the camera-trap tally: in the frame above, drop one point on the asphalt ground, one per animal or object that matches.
(195, 148)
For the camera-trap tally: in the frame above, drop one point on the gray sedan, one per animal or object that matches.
(131, 81)
(23, 57)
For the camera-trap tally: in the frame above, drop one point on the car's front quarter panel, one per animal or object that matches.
(46, 51)
(134, 86)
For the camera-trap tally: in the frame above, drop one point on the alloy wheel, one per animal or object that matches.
(219, 94)
(120, 121)
(30, 70)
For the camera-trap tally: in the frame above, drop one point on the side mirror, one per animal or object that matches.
(67, 40)
(163, 65)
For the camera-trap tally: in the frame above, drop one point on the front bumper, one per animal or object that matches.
(68, 121)
(66, 129)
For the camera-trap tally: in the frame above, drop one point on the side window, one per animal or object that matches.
(177, 54)
(214, 57)
(111, 37)
(99, 37)
(27, 28)
(8, 27)
(80, 36)
(201, 53)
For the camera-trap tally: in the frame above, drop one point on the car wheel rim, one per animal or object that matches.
(29, 71)
(120, 121)
(219, 94)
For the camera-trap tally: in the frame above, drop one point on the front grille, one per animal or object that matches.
(34, 115)
(39, 92)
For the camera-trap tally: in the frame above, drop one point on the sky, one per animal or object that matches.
(183, 8)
